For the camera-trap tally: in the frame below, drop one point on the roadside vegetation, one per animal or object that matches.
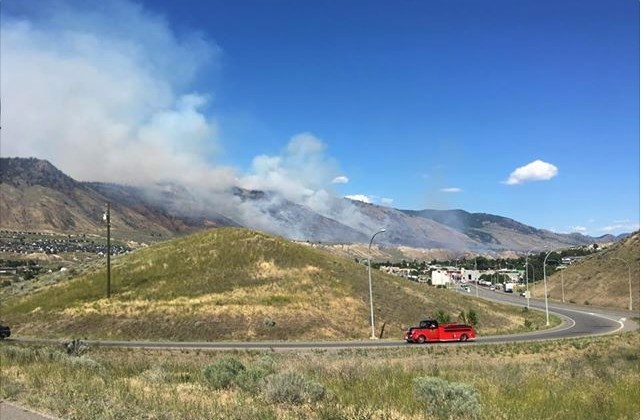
(590, 378)
(599, 279)
(236, 284)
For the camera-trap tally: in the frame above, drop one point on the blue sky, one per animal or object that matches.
(431, 104)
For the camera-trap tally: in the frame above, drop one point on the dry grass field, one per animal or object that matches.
(235, 284)
(600, 279)
(590, 378)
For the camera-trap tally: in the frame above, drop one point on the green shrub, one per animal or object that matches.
(292, 388)
(443, 317)
(251, 378)
(469, 317)
(472, 317)
(224, 373)
(445, 399)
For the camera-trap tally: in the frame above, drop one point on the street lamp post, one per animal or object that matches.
(629, 279)
(562, 289)
(545, 289)
(369, 274)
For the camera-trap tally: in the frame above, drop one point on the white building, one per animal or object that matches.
(470, 276)
(441, 277)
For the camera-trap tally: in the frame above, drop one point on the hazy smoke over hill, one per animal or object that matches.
(101, 94)
(104, 93)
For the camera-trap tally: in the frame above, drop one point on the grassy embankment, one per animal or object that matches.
(240, 285)
(600, 279)
(591, 378)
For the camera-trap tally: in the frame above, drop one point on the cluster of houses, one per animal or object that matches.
(24, 245)
(444, 276)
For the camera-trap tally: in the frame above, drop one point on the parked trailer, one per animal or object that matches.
(431, 330)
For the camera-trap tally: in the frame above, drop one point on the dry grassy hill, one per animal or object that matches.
(236, 284)
(600, 279)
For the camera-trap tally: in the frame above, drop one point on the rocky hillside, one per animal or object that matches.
(34, 195)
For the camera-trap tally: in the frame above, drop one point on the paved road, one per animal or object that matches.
(12, 411)
(578, 321)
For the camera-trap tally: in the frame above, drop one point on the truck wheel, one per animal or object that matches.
(421, 339)
(463, 337)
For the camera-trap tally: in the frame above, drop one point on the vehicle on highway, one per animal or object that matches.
(508, 287)
(431, 330)
(5, 331)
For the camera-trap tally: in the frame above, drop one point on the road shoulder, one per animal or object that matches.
(13, 411)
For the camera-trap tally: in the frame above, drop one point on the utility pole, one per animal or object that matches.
(107, 218)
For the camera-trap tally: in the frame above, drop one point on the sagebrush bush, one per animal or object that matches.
(445, 399)
(84, 362)
(253, 375)
(224, 373)
(156, 374)
(292, 388)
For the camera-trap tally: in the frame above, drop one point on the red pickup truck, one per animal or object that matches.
(431, 330)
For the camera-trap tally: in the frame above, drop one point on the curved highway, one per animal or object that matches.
(577, 321)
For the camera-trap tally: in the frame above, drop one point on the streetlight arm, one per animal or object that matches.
(372, 240)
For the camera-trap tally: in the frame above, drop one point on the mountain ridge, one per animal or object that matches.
(35, 195)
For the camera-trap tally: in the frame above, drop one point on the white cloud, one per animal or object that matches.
(620, 227)
(387, 201)
(533, 171)
(451, 190)
(360, 197)
(340, 180)
(580, 229)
